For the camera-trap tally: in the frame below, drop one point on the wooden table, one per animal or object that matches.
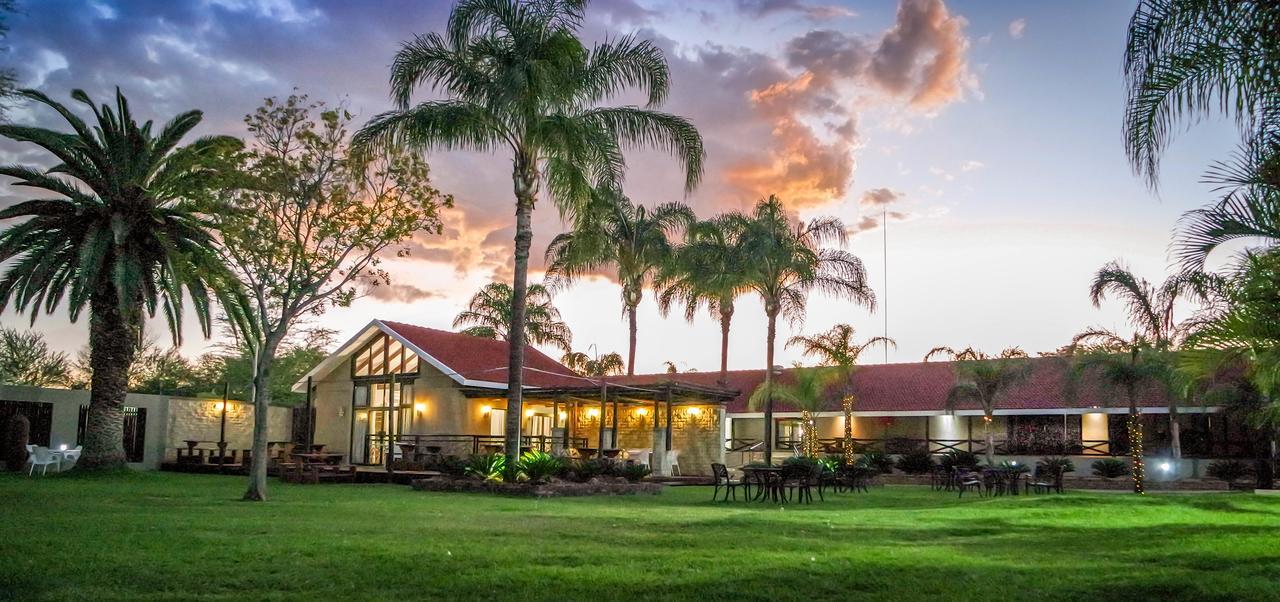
(319, 458)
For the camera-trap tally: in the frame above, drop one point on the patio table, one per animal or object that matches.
(320, 458)
(768, 480)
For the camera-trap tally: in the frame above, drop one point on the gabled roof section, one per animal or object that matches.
(469, 361)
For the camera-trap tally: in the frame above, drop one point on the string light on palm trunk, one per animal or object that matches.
(1139, 469)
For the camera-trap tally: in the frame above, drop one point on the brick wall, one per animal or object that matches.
(695, 435)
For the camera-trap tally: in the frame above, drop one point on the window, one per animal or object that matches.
(383, 357)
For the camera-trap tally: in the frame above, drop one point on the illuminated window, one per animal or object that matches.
(382, 357)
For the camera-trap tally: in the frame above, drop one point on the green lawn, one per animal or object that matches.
(185, 536)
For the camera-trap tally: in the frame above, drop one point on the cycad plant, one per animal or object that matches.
(488, 315)
(807, 391)
(513, 75)
(631, 240)
(983, 380)
(126, 234)
(786, 259)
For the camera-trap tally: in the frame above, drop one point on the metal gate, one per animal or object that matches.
(40, 415)
(135, 431)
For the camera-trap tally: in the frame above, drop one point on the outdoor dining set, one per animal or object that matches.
(996, 481)
(783, 484)
(44, 457)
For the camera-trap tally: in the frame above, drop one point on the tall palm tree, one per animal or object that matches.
(1249, 209)
(1188, 59)
(488, 315)
(709, 269)
(1137, 368)
(835, 348)
(608, 364)
(514, 75)
(1151, 313)
(128, 233)
(807, 392)
(787, 259)
(983, 380)
(630, 239)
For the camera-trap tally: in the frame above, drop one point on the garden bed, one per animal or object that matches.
(1086, 482)
(554, 488)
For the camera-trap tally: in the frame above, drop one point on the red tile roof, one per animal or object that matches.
(481, 359)
(878, 388)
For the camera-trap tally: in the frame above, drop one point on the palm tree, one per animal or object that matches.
(488, 315)
(709, 269)
(786, 259)
(1249, 209)
(807, 392)
(1188, 59)
(983, 380)
(608, 364)
(1151, 313)
(1140, 366)
(631, 239)
(514, 75)
(126, 234)
(835, 348)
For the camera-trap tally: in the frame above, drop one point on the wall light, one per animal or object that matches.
(486, 409)
(419, 407)
(593, 412)
(694, 411)
(1165, 466)
(563, 414)
(528, 413)
(642, 411)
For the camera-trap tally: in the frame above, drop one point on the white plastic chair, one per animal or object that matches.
(69, 457)
(42, 457)
(640, 456)
(673, 462)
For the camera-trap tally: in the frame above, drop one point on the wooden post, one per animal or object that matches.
(604, 394)
(308, 439)
(928, 447)
(969, 426)
(222, 428)
(394, 415)
(668, 395)
(614, 443)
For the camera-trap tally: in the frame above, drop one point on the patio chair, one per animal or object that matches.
(42, 457)
(800, 483)
(1045, 480)
(70, 457)
(721, 474)
(673, 462)
(970, 480)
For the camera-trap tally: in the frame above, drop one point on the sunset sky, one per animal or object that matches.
(990, 133)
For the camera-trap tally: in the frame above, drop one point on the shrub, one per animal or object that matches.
(919, 461)
(13, 449)
(633, 472)
(959, 459)
(490, 467)
(1051, 464)
(449, 465)
(830, 464)
(1228, 470)
(1110, 468)
(581, 471)
(800, 465)
(539, 465)
(877, 461)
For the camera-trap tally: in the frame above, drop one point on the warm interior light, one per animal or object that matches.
(419, 407)
(694, 411)
(362, 416)
(528, 413)
(217, 406)
(593, 412)
(642, 411)
(486, 409)
(564, 415)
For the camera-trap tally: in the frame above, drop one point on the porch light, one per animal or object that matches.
(1165, 466)
(694, 411)
(563, 414)
(63, 447)
(642, 411)
(419, 407)
(528, 413)
(486, 409)
(593, 412)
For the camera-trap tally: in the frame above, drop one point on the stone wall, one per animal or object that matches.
(200, 420)
(695, 434)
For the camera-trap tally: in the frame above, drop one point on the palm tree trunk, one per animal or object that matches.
(631, 345)
(1137, 467)
(113, 341)
(525, 179)
(726, 316)
(768, 383)
(263, 360)
(991, 440)
(810, 440)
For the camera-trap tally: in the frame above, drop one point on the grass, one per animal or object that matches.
(167, 536)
